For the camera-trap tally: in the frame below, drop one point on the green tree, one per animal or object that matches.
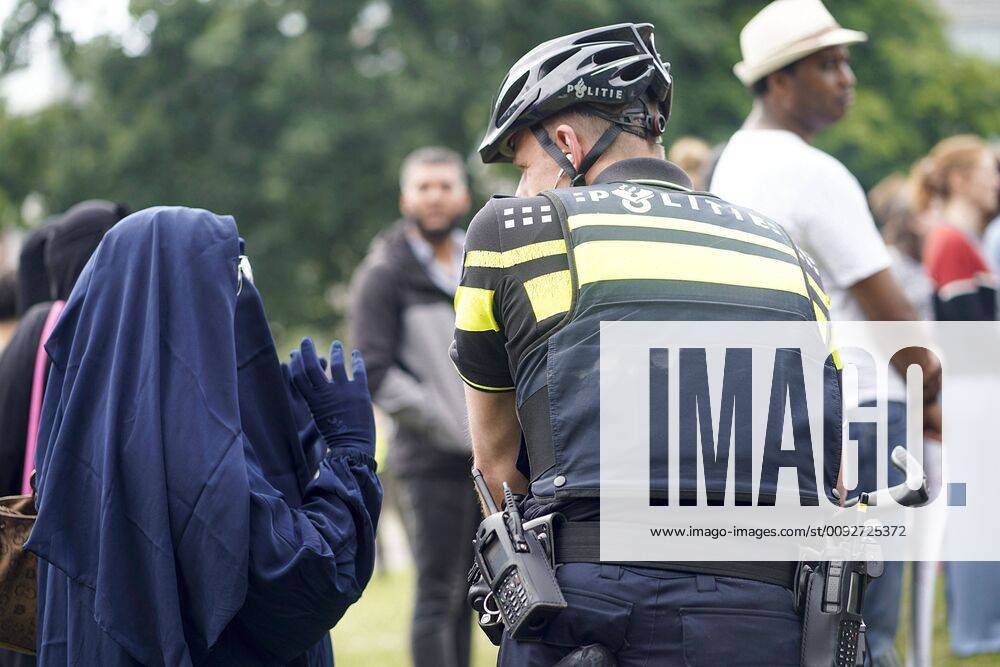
(293, 115)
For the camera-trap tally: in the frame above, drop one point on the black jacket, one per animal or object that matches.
(403, 324)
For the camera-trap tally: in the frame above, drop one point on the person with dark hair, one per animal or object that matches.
(52, 258)
(66, 253)
(32, 283)
(8, 306)
(402, 318)
(60, 249)
(797, 67)
(197, 502)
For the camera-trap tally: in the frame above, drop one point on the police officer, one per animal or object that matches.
(603, 228)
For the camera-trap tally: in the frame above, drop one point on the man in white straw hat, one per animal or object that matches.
(787, 31)
(795, 63)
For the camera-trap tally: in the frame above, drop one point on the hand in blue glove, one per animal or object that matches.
(342, 408)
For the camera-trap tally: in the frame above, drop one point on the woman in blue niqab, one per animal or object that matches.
(189, 509)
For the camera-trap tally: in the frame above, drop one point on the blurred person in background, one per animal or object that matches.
(51, 259)
(8, 323)
(32, 279)
(197, 502)
(797, 67)
(957, 184)
(711, 163)
(63, 247)
(893, 206)
(991, 237)
(402, 319)
(8, 307)
(903, 229)
(693, 155)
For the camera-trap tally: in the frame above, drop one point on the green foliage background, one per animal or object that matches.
(300, 137)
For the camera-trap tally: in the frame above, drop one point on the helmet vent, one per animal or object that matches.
(634, 71)
(553, 63)
(512, 92)
(605, 35)
(610, 55)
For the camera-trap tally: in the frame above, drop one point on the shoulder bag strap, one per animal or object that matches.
(37, 393)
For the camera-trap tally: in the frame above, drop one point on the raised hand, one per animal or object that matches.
(342, 408)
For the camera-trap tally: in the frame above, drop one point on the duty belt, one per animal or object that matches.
(580, 542)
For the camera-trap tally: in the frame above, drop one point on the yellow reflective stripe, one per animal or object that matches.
(819, 291)
(653, 260)
(487, 259)
(676, 224)
(516, 256)
(504, 260)
(482, 387)
(826, 333)
(550, 294)
(820, 315)
(474, 309)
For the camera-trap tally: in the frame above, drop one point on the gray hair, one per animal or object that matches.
(431, 155)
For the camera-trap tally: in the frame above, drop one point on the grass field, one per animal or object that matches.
(374, 633)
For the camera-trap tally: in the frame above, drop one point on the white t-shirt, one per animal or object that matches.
(815, 198)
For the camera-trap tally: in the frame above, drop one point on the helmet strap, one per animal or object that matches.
(576, 176)
(635, 118)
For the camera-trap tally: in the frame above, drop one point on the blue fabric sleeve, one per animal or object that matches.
(309, 564)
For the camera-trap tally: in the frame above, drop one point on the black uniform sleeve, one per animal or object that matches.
(479, 350)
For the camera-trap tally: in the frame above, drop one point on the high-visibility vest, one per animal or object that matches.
(649, 251)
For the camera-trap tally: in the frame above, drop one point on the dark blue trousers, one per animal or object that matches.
(657, 617)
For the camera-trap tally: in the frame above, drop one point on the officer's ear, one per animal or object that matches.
(569, 142)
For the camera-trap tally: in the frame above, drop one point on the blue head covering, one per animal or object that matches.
(143, 493)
